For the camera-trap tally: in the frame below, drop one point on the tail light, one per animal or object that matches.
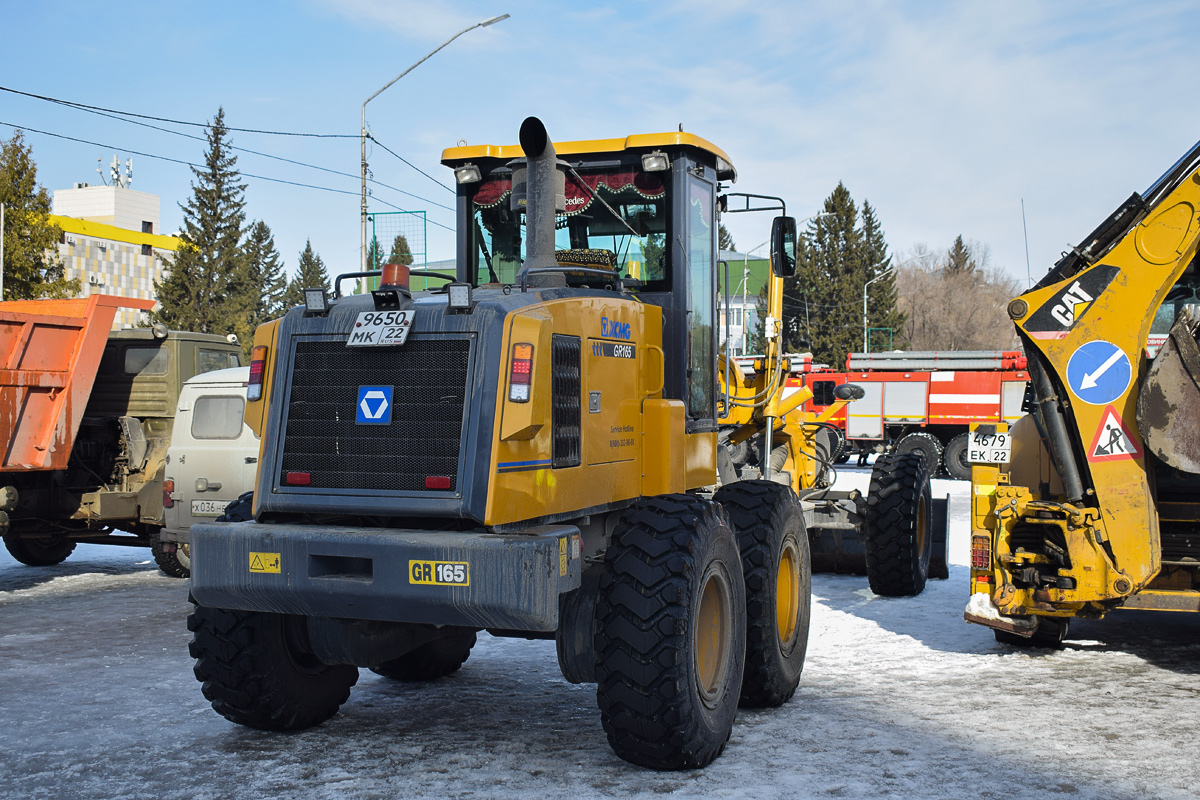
(520, 372)
(297, 478)
(437, 482)
(258, 363)
(168, 488)
(981, 552)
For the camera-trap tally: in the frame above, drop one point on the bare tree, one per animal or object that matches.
(955, 309)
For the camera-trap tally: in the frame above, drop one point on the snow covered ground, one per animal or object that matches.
(900, 698)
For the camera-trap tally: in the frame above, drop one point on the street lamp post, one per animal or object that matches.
(883, 274)
(363, 137)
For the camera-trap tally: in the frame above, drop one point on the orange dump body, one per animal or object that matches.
(49, 353)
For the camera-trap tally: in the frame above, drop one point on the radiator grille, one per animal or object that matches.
(424, 438)
(566, 390)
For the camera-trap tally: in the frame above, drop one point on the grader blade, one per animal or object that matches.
(1168, 409)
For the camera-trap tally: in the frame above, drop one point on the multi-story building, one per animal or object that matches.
(112, 243)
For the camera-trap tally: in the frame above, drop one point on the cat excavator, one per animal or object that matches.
(1091, 502)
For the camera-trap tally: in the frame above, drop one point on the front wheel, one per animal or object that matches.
(925, 444)
(257, 671)
(45, 551)
(897, 526)
(670, 633)
(955, 457)
(777, 569)
(431, 660)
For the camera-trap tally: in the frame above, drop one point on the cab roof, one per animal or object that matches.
(453, 156)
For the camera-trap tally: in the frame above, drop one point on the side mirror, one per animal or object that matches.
(849, 391)
(783, 247)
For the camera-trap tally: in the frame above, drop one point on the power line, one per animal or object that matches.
(197, 166)
(406, 161)
(118, 118)
(87, 107)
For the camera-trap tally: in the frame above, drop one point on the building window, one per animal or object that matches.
(147, 250)
(147, 227)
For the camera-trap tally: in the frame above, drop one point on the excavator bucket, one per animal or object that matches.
(1168, 409)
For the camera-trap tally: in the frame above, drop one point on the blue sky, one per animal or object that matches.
(944, 115)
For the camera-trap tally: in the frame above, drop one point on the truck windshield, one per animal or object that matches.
(634, 243)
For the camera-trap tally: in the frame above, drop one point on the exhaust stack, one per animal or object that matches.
(539, 189)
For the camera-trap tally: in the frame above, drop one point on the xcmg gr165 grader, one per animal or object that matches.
(1098, 505)
(531, 450)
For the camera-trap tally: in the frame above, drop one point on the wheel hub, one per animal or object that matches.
(712, 634)
(787, 594)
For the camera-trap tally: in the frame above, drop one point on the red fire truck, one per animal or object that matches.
(920, 400)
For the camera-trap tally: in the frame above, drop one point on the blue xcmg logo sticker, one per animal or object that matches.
(374, 405)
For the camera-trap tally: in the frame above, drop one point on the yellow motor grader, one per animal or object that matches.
(530, 450)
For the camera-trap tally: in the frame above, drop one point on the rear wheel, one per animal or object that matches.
(431, 660)
(173, 558)
(257, 670)
(924, 443)
(777, 569)
(897, 526)
(44, 551)
(955, 457)
(670, 633)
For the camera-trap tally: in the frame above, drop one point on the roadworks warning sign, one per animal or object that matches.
(1113, 441)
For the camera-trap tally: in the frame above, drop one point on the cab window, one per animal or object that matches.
(615, 216)
(701, 238)
(146, 361)
(210, 360)
(218, 417)
(823, 393)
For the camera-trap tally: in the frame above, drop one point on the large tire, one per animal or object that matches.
(897, 526)
(955, 457)
(173, 558)
(431, 660)
(670, 633)
(777, 569)
(1051, 633)
(44, 551)
(924, 443)
(256, 670)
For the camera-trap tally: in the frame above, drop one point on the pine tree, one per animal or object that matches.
(375, 257)
(32, 267)
(881, 295)
(401, 254)
(310, 274)
(819, 303)
(724, 238)
(203, 289)
(266, 283)
(959, 258)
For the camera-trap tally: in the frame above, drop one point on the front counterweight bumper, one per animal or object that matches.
(474, 579)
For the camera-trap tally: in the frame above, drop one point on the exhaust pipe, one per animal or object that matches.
(539, 189)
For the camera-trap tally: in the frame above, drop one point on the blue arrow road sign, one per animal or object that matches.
(374, 405)
(1099, 372)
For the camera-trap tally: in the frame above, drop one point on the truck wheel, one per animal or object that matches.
(777, 568)
(955, 457)
(670, 633)
(256, 670)
(173, 558)
(897, 525)
(431, 660)
(1051, 633)
(925, 443)
(45, 551)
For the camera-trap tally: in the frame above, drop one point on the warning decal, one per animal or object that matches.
(265, 562)
(1113, 440)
